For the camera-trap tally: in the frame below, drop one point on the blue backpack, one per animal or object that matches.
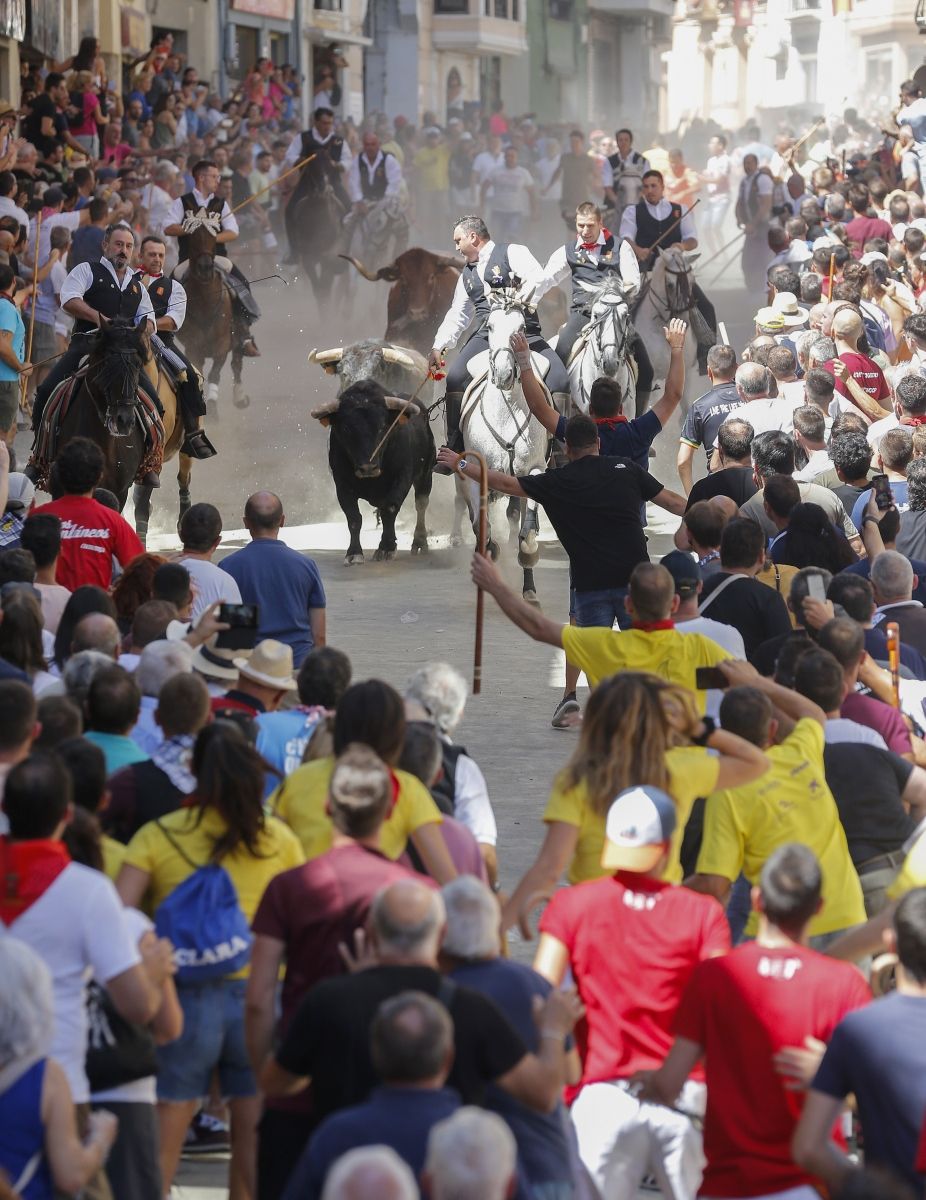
(204, 921)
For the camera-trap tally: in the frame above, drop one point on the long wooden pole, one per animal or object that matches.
(832, 273)
(35, 287)
(892, 631)
(273, 183)
(482, 539)
(676, 222)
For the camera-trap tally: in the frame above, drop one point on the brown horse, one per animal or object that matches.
(104, 411)
(209, 329)
(317, 234)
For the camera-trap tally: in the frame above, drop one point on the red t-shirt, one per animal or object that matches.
(881, 717)
(867, 374)
(742, 1009)
(91, 536)
(633, 943)
(862, 229)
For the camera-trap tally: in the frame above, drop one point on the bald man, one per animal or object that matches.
(286, 586)
(871, 394)
(97, 631)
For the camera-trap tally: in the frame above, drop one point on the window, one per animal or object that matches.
(561, 10)
(330, 5)
(448, 7)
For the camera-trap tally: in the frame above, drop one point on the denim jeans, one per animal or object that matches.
(603, 607)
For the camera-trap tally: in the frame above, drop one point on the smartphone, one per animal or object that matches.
(816, 588)
(243, 621)
(884, 497)
(709, 677)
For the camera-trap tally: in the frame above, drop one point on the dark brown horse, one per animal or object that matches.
(209, 329)
(104, 411)
(317, 232)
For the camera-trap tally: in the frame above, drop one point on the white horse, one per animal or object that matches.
(497, 422)
(381, 233)
(667, 294)
(603, 346)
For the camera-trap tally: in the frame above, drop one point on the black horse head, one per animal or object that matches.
(118, 352)
(202, 249)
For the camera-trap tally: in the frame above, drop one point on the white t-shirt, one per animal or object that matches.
(511, 189)
(213, 586)
(78, 928)
(725, 636)
(471, 804)
(139, 1091)
(765, 415)
(878, 429)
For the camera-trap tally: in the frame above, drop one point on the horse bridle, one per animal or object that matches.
(665, 310)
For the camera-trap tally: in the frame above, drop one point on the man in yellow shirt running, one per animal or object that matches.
(652, 644)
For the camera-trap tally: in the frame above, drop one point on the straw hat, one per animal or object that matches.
(270, 663)
(785, 303)
(216, 663)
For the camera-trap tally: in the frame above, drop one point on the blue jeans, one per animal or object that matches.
(213, 1036)
(603, 607)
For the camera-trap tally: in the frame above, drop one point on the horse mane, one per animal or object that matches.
(118, 357)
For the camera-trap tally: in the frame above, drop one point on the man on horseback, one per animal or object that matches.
(203, 207)
(627, 169)
(168, 300)
(588, 259)
(489, 265)
(96, 294)
(375, 178)
(332, 159)
(653, 219)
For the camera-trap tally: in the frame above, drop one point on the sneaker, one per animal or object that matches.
(567, 713)
(206, 1135)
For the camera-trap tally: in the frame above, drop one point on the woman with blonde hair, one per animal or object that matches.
(637, 729)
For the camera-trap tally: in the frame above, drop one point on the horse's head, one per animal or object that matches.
(117, 354)
(506, 316)
(675, 266)
(202, 246)
(609, 320)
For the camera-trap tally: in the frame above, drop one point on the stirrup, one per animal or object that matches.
(197, 445)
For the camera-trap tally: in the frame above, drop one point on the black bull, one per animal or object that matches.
(358, 420)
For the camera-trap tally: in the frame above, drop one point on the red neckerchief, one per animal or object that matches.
(610, 422)
(652, 626)
(905, 420)
(27, 871)
(606, 233)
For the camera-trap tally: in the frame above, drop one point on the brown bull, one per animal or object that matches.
(421, 292)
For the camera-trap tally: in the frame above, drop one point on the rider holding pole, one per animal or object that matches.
(332, 159)
(489, 265)
(203, 207)
(588, 259)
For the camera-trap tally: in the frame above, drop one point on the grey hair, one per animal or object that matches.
(752, 379)
(160, 661)
(81, 669)
(472, 1153)
(370, 1171)
(803, 341)
(26, 1008)
(441, 691)
(823, 350)
(473, 919)
(401, 937)
(473, 224)
(892, 575)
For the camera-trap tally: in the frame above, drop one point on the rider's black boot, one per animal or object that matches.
(197, 445)
(453, 406)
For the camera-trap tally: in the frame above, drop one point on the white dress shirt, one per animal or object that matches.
(462, 309)
(771, 413)
(158, 205)
(558, 268)
(658, 212)
(362, 163)
(294, 153)
(176, 304)
(175, 213)
(80, 280)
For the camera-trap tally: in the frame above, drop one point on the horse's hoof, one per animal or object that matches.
(382, 555)
(212, 410)
(492, 548)
(240, 398)
(530, 597)
(353, 560)
(420, 546)
(212, 393)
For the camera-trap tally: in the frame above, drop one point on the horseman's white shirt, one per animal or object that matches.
(294, 153)
(658, 212)
(176, 304)
(462, 309)
(362, 163)
(558, 268)
(80, 280)
(176, 214)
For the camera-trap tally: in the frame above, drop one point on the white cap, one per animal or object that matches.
(639, 824)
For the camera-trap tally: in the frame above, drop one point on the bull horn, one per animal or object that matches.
(322, 357)
(396, 403)
(392, 354)
(358, 265)
(326, 410)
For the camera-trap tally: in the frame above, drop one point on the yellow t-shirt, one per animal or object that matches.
(150, 851)
(113, 856)
(431, 163)
(778, 577)
(790, 803)
(301, 798)
(693, 772)
(674, 656)
(913, 872)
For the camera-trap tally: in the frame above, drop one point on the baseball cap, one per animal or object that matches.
(639, 824)
(826, 242)
(21, 492)
(684, 570)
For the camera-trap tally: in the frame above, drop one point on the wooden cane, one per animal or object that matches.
(273, 183)
(832, 273)
(482, 538)
(35, 286)
(892, 632)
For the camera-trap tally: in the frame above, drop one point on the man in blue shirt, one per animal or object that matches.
(285, 585)
(12, 353)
